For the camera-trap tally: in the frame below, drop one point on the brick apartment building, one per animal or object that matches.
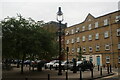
(53, 27)
(98, 37)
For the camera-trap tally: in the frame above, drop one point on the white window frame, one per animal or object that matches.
(118, 45)
(89, 27)
(67, 42)
(107, 45)
(90, 37)
(77, 29)
(91, 58)
(97, 48)
(107, 59)
(83, 38)
(78, 39)
(83, 28)
(105, 22)
(97, 36)
(90, 49)
(118, 32)
(73, 50)
(96, 24)
(84, 49)
(84, 58)
(78, 49)
(72, 40)
(72, 31)
(106, 34)
(117, 18)
(67, 32)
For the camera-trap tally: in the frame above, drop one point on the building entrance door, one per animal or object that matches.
(98, 60)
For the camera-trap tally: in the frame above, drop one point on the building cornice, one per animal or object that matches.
(94, 18)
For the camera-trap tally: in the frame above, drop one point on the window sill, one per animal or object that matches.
(90, 40)
(107, 62)
(118, 35)
(105, 25)
(96, 39)
(107, 50)
(90, 51)
(98, 51)
(106, 37)
(83, 41)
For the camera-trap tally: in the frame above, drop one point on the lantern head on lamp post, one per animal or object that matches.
(59, 15)
(59, 19)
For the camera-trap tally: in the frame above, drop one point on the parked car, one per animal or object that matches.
(66, 65)
(38, 63)
(17, 61)
(51, 63)
(27, 62)
(33, 64)
(77, 64)
(56, 65)
(85, 65)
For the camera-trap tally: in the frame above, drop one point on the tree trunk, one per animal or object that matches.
(22, 65)
(29, 67)
(18, 64)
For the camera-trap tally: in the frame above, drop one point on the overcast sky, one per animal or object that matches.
(74, 11)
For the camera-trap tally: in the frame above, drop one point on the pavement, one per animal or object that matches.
(15, 74)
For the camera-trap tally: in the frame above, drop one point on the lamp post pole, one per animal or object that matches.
(67, 57)
(60, 72)
(60, 19)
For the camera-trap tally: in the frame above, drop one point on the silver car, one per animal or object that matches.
(51, 63)
(66, 65)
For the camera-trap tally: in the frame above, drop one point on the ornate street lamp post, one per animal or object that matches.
(59, 19)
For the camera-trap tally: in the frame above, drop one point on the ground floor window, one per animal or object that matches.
(107, 59)
(107, 47)
(84, 58)
(90, 58)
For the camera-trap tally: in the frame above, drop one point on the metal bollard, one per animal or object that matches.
(45, 67)
(56, 67)
(26, 78)
(66, 75)
(50, 67)
(92, 73)
(74, 66)
(48, 76)
(101, 71)
(80, 74)
(110, 69)
(98, 67)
